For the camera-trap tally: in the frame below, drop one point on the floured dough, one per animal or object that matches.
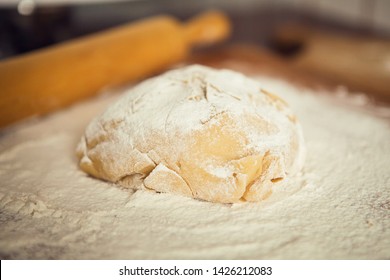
(210, 134)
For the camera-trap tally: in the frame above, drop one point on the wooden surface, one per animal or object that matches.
(251, 59)
(360, 63)
(254, 59)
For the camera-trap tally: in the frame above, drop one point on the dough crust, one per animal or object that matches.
(214, 135)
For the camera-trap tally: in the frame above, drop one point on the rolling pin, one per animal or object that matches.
(360, 63)
(48, 79)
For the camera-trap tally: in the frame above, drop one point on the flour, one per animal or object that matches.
(338, 207)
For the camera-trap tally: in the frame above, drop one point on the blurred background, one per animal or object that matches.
(314, 43)
(30, 24)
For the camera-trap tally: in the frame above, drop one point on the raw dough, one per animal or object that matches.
(210, 134)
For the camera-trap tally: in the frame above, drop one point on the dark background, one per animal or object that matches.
(253, 23)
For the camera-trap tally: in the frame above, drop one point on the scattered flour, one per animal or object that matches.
(339, 207)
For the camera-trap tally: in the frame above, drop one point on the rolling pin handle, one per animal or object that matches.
(207, 28)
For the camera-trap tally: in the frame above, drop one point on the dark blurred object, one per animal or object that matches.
(22, 33)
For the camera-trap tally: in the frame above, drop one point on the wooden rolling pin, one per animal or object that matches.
(51, 78)
(360, 63)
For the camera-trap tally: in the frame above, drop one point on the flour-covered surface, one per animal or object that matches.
(339, 207)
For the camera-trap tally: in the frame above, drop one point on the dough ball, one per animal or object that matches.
(214, 135)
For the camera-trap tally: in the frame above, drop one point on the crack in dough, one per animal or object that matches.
(164, 179)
